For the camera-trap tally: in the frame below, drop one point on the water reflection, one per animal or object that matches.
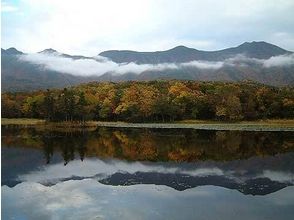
(182, 145)
(87, 199)
(256, 163)
(155, 173)
(254, 176)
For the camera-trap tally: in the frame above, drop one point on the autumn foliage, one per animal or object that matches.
(153, 101)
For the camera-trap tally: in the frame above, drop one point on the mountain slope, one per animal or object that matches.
(180, 54)
(19, 75)
(276, 76)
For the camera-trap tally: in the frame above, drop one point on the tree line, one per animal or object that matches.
(153, 101)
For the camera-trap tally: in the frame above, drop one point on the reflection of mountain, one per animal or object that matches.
(85, 199)
(254, 186)
(256, 176)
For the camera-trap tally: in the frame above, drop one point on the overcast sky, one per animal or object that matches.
(90, 26)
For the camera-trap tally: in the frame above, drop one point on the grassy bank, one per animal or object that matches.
(21, 121)
(43, 125)
(268, 125)
(262, 125)
(280, 122)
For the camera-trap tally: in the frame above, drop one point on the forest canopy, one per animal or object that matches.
(153, 101)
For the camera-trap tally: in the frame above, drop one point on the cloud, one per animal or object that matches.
(98, 65)
(95, 66)
(203, 64)
(81, 67)
(241, 59)
(283, 60)
(5, 7)
(88, 26)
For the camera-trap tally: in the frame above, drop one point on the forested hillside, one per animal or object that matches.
(153, 101)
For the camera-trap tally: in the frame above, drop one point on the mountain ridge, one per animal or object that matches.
(259, 50)
(22, 75)
(246, 46)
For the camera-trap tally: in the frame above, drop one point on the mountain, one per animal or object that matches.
(181, 54)
(276, 76)
(11, 51)
(248, 70)
(21, 75)
(51, 51)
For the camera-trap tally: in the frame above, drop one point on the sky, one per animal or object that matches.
(88, 27)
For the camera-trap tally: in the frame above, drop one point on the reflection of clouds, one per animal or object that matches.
(100, 169)
(279, 176)
(95, 167)
(88, 199)
(39, 202)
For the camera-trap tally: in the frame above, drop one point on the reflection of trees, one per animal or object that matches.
(48, 147)
(187, 145)
(141, 147)
(152, 144)
(67, 143)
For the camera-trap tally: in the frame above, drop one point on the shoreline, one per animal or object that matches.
(202, 126)
(261, 125)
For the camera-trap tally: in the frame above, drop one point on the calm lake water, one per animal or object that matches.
(133, 173)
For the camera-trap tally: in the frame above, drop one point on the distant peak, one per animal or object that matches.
(49, 50)
(11, 51)
(181, 48)
(256, 43)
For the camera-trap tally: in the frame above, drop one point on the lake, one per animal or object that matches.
(144, 173)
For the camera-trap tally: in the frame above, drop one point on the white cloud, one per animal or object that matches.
(241, 59)
(82, 67)
(5, 7)
(204, 64)
(90, 26)
(89, 67)
(283, 60)
(99, 65)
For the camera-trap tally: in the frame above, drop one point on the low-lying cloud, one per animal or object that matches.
(203, 64)
(89, 67)
(99, 65)
(283, 60)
